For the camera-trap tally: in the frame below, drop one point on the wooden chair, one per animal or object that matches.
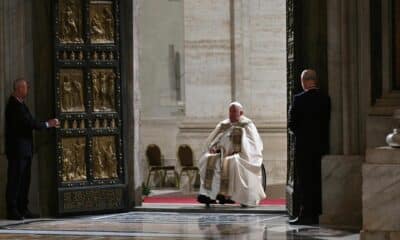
(155, 160)
(185, 157)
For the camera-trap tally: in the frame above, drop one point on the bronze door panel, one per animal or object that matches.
(73, 158)
(101, 22)
(71, 21)
(103, 89)
(90, 162)
(71, 90)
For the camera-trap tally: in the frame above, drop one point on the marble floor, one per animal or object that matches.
(169, 225)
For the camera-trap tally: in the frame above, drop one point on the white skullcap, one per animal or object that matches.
(236, 104)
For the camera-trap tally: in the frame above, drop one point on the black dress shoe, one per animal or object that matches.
(222, 200)
(29, 214)
(293, 220)
(205, 199)
(304, 221)
(14, 215)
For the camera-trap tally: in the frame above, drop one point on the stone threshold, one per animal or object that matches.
(214, 208)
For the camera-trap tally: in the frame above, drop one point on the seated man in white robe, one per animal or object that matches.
(230, 168)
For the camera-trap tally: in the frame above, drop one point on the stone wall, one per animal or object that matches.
(207, 58)
(160, 28)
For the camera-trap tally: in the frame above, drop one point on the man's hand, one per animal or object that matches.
(214, 150)
(53, 122)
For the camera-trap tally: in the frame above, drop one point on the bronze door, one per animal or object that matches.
(292, 86)
(90, 161)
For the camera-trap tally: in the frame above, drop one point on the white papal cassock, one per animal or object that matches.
(236, 170)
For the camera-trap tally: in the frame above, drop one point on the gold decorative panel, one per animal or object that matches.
(73, 124)
(87, 89)
(102, 56)
(94, 199)
(104, 157)
(101, 22)
(71, 90)
(70, 55)
(103, 82)
(73, 159)
(70, 17)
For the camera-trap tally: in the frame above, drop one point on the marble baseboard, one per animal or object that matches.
(376, 235)
(349, 220)
(381, 197)
(375, 155)
(341, 191)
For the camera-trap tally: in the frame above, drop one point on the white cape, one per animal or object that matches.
(242, 169)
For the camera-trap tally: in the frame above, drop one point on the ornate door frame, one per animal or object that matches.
(292, 38)
(91, 172)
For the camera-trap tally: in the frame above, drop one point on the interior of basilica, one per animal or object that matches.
(138, 86)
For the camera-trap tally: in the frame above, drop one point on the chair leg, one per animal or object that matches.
(177, 183)
(195, 179)
(163, 176)
(190, 176)
(195, 176)
(179, 179)
(148, 178)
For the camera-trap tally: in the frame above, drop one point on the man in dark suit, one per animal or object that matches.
(19, 150)
(309, 121)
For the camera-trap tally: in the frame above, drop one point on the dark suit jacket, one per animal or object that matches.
(309, 121)
(18, 129)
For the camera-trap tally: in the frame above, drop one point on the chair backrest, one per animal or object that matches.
(185, 155)
(153, 154)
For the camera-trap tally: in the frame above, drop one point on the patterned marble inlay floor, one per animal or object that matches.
(158, 225)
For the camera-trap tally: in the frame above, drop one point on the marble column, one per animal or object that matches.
(16, 60)
(349, 88)
(381, 195)
(348, 74)
(130, 11)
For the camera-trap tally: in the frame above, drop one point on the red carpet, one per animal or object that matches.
(192, 200)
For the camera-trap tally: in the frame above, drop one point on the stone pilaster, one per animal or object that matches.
(207, 58)
(16, 60)
(349, 87)
(349, 74)
(379, 121)
(260, 58)
(132, 94)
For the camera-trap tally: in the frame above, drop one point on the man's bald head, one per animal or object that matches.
(21, 87)
(18, 82)
(235, 111)
(309, 79)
